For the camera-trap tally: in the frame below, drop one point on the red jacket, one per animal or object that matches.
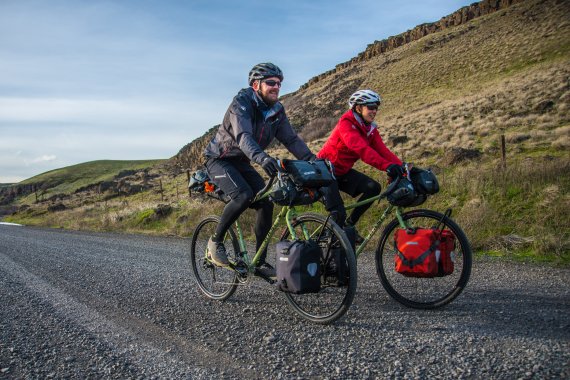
(352, 140)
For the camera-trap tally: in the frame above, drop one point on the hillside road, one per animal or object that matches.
(104, 305)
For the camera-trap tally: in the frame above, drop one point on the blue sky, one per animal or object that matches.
(128, 80)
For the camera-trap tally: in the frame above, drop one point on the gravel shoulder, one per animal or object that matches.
(79, 304)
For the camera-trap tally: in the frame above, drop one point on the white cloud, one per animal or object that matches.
(129, 113)
(44, 158)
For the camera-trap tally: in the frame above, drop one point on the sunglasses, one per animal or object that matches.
(272, 83)
(372, 107)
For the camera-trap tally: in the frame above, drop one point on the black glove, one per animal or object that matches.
(270, 166)
(394, 171)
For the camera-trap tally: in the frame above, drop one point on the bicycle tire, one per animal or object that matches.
(332, 302)
(423, 293)
(215, 283)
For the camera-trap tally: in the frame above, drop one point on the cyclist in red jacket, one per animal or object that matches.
(355, 137)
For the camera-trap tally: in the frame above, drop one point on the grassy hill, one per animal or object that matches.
(504, 73)
(449, 97)
(64, 182)
(68, 179)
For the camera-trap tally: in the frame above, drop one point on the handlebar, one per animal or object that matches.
(390, 189)
(265, 189)
(278, 175)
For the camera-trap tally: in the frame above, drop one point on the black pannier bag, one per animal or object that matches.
(285, 193)
(309, 174)
(424, 181)
(336, 265)
(298, 266)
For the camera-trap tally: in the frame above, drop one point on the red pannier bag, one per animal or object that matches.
(424, 252)
(444, 253)
(415, 252)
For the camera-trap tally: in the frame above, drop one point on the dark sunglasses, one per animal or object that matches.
(372, 107)
(272, 83)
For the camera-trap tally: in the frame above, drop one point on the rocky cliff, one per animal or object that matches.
(459, 17)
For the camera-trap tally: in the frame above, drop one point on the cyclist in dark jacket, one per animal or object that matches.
(254, 118)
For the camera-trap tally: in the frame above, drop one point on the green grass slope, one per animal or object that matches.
(68, 179)
(501, 71)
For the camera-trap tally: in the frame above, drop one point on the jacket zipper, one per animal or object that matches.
(261, 134)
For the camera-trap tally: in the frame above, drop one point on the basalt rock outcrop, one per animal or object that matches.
(191, 155)
(459, 17)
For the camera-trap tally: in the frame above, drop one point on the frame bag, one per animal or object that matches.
(424, 252)
(298, 266)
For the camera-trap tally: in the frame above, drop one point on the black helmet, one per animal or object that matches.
(264, 70)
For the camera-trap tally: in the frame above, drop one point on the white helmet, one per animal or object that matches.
(364, 97)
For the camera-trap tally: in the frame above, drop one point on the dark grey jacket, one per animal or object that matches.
(248, 128)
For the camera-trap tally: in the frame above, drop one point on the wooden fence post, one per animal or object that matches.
(503, 151)
(188, 181)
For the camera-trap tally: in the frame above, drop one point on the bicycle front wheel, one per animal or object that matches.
(423, 293)
(335, 297)
(215, 282)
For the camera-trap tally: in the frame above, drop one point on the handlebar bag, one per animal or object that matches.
(201, 183)
(309, 174)
(286, 193)
(298, 266)
(405, 195)
(424, 181)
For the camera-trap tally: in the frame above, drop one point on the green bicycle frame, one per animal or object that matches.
(287, 213)
(378, 223)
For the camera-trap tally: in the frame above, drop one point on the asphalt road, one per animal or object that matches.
(94, 305)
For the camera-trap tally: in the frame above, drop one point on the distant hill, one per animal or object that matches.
(70, 179)
(494, 67)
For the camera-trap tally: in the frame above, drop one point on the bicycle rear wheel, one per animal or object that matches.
(423, 293)
(215, 282)
(333, 300)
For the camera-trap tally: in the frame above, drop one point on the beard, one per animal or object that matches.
(270, 97)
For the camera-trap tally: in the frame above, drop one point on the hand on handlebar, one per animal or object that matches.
(271, 166)
(394, 171)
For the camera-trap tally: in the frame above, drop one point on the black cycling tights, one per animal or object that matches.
(234, 209)
(354, 184)
(368, 189)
